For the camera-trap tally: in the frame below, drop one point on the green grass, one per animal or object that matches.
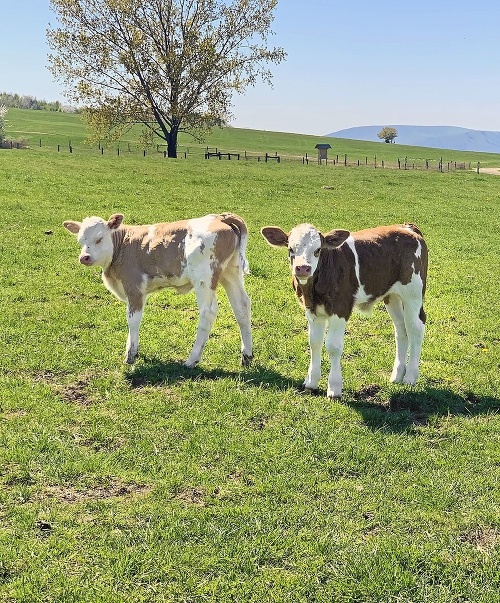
(51, 129)
(159, 483)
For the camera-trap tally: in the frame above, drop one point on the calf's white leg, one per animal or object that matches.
(317, 328)
(207, 303)
(134, 317)
(415, 328)
(394, 306)
(240, 303)
(334, 346)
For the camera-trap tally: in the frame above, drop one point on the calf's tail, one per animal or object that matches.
(240, 228)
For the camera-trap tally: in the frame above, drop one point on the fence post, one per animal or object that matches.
(478, 164)
(345, 160)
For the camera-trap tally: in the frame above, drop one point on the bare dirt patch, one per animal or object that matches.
(484, 539)
(491, 170)
(192, 496)
(72, 393)
(368, 393)
(9, 415)
(75, 393)
(112, 489)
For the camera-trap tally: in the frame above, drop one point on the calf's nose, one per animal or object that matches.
(85, 259)
(304, 270)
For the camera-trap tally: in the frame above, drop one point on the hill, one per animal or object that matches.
(436, 137)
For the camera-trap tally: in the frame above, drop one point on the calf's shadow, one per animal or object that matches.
(403, 410)
(154, 371)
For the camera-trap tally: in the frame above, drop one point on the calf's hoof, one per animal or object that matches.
(311, 391)
(334, 396)
(190, 363)
(130, 358)
(246, 360)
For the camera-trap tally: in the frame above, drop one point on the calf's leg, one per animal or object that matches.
(317, 328)
(334, 346)
(207, 303)
(135, 310)
(394, 306)
(414, 321)
(232, 281)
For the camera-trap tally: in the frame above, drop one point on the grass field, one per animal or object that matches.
(157, 483)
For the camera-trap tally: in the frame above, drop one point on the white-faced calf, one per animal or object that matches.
(190, 254)
(337, 272)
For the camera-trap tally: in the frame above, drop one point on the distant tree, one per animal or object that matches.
(3, 113)
(388, 134)
(171, 65)
(16, 101)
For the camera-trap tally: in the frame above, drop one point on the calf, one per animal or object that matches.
(340, 271)
(190, 254)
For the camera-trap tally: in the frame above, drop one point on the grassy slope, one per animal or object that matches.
(60, 128)
(156, 483)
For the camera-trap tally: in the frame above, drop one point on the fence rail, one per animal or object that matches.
(338, 160)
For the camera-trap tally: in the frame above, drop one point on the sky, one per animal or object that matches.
(349, 63)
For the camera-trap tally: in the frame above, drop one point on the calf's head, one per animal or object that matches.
(94, 235)
(304, 244)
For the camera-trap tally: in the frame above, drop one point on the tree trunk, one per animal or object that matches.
(172, 143)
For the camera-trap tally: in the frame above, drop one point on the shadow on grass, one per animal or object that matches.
(409, 409)
(403, 410)
(158, 372)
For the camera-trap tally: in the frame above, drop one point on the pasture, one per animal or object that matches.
(158, 483)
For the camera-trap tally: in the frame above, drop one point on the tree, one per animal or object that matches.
(388, 134)
(170, 65)
(3, 113)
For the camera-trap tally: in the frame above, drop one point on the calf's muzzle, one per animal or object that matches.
(302, 271)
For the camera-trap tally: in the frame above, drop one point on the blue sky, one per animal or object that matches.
(365, 62)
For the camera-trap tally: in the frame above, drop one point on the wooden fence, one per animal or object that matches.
(338, 160)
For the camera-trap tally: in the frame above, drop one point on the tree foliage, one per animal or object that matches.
(388, 134)
(23, 101)
(3, 113)
(171, 65)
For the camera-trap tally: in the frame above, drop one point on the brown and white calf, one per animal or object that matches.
(190, 254)
(337, 272)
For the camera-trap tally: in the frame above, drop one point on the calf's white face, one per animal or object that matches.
(304, 246)
(94, 235)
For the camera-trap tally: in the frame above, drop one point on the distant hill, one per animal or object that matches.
(436, 137)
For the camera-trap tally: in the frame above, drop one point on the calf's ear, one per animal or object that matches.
(114, 221)
(72, 226)
(334, 238)
(275, 236)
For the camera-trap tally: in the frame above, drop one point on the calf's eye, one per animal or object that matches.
(99, 241)
(316, 253)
